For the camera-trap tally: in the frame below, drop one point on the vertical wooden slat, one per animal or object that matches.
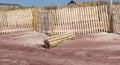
(77, 13)
(79, 27)
(73, 20)
(82, 23)
(62, 21)
(65, 20)
(87, 20)
(58, 21)
(69, 19)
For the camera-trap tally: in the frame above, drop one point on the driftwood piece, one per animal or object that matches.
(57, 39)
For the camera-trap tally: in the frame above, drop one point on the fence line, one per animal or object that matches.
(79, 20)
(15, 21)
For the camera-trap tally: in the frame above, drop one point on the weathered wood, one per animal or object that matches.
(55, 40)
(79, 20)
(116, 18)
(15, 21)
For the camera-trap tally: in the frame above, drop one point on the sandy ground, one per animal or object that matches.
(25, 38)
(26, 49)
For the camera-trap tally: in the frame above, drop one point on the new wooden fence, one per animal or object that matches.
(15, 21)
(116, 18)
(79, 20)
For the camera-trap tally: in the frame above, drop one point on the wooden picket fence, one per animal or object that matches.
(116, 18)
(79, 20)
(16, 21)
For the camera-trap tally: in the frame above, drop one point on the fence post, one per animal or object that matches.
(34, 18)
(52, 22)
(110, 16)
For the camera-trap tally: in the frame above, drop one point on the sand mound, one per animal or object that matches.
(102, 37)
(25, 38)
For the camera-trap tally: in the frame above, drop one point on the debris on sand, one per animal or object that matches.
(57, 39)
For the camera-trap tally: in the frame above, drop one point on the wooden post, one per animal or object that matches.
(110, 16)
(52, 22)
(34, 18)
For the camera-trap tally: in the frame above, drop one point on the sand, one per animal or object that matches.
(94, 49)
